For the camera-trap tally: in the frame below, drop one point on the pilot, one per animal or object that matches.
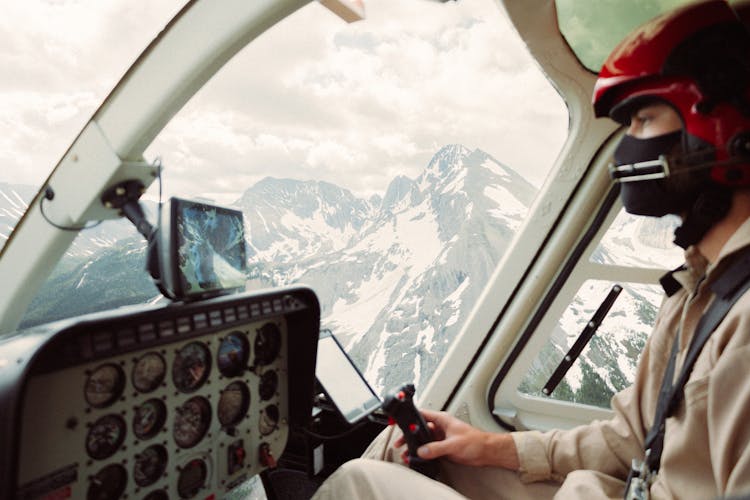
(680, 85)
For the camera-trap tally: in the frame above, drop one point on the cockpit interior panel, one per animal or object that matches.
(177, 401)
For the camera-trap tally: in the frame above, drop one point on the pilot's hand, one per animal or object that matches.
(461, 443)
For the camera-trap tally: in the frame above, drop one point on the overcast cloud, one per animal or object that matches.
(314, 98)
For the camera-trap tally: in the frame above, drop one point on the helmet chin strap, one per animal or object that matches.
(710, 206)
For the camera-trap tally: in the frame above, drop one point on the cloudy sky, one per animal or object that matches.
(313, 98)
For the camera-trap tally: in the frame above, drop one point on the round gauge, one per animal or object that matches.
(149, 372)
(149, 418)
(157, 495)
(104, 385)
(105, 436)
(191, 366)
(269, 382)
(149, 465)
(267, 344)
(192, 478)
(234, 352)
(108, 483)
(269, 418)
(233, 403)
(191, 422)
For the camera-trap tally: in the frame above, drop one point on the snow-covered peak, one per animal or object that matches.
(448, 158)
(14, 201)
(398, 190)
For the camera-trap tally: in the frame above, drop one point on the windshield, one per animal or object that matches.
(368, 160)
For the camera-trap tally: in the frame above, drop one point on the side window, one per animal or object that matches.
(632, 247)
(607, 363)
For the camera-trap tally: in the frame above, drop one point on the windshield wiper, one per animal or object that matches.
(588, 332)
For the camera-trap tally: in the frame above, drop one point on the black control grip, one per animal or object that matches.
(400, 408)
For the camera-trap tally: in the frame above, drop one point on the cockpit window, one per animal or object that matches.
(639, 242)
(592, 28)
(624, 265)
(386, 163)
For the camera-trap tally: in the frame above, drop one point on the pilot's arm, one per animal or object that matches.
(603, 446)
(607, 446)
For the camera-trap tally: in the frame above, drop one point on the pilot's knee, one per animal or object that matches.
(358, 478)
(360, 470)
(381, 448)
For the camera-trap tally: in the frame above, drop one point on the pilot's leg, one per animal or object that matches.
(494, 483)
(381, 448)
(367, 479)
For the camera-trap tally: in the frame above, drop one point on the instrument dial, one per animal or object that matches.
(269, 419)
(148, 372)
(267, 344)
(108, 483)
(234, 351)
(191, 367)
(269, 382)
(105, 436)
(149, 418)
(104, 385)
(191, 422)
(192, 478)
(233, 404)
(157, 495)
(150, 465)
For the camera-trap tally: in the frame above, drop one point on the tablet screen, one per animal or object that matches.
(344, 384)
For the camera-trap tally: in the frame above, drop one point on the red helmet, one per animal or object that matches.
(697, 59)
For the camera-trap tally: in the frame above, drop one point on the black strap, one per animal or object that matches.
(728, 288)
(582, 341)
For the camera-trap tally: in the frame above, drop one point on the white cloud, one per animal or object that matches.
(58, 61)
(312, 98)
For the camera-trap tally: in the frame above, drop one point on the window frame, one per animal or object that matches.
(529, 411)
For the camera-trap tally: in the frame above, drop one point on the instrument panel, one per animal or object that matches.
(179, 409)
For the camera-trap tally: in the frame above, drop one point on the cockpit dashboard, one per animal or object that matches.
(179, 401)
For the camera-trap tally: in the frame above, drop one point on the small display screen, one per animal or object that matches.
(210, 248)
(342, 381)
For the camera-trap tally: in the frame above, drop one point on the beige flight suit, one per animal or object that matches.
(706, 452)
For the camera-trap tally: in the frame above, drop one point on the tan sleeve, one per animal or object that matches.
(728, 409)
(605, 446)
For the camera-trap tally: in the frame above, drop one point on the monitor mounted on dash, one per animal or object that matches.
(198, 250)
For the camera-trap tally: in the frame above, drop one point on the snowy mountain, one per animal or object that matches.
(14, 200)
(393, 279)
(288, 220)
(102, 269)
